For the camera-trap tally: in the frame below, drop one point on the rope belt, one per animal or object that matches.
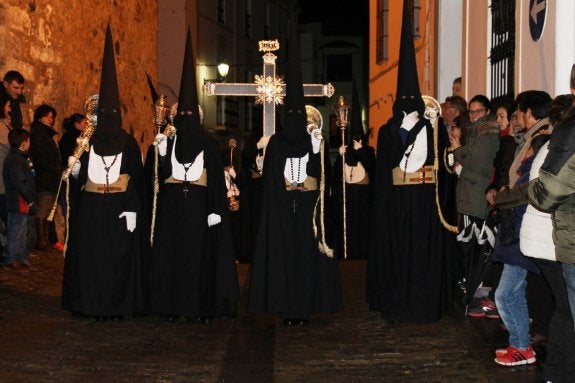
(424, 175)
(202, 181)
(309, 184)
(119, 186)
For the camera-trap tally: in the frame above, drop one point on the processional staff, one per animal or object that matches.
(161, 109)
(342, 113)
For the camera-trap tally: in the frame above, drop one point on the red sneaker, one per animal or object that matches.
(58, 246)
(503, 351)
(516, 357)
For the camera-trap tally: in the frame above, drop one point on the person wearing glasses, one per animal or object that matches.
(476, 159)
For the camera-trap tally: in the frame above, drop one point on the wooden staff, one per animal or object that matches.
(160, 112)
(342, 113)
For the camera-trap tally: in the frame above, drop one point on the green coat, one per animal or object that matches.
(554, 190)
(476, 158)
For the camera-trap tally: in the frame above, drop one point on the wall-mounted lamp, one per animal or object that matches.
(223, 70)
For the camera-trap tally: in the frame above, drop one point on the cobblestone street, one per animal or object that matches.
(41, 343)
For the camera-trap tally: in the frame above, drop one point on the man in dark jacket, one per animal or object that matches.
(554, 192)
(13, 86)
(46, 157)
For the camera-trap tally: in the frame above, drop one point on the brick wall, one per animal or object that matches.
(57, 45)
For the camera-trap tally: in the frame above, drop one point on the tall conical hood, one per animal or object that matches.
(190, 137)
(295, 130)
(107, 136)
(153, 91)
(408, 97)
(356, 127)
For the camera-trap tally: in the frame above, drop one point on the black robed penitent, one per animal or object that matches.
(192, 266)
(290, 277)
(408, 265)
(102, 276)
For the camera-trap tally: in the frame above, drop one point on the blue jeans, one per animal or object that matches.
(511, 302)
(16, 233)
(569, 275)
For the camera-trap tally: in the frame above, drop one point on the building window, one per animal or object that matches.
(502, 55)
(222, 11)
(415, 7)
(249, 18)
(382, 30)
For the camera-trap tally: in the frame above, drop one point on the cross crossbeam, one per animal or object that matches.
(268, 89)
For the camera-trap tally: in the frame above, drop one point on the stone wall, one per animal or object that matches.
(57, 45)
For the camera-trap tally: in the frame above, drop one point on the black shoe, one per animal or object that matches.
(295, 322)
(199, 319)
(79, 315)
(169, 318)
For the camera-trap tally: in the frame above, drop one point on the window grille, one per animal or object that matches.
(502, 55)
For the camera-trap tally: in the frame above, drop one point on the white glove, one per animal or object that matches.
(357, 145)
(316, 137)
(75, 166)
(130, 220)
(342, 149)
(162, 143)
(232, 172)
(214, 219)
(263, 142)
(409, 120)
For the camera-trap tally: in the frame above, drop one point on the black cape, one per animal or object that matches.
(70, 285)
(192, 266)
(290, 277)
(106, 256)
(358, 201)
(408, 271)
(252, 187)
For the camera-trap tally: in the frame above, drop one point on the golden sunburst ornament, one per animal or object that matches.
(269, 89)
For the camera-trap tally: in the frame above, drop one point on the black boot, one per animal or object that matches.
(42, 243)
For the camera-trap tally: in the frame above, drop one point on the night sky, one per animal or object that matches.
(334, 10)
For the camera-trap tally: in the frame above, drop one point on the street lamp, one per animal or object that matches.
(223, 70)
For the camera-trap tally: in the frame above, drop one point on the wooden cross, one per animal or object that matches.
(268, 89)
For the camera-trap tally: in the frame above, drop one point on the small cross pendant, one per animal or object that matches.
(294, 205)
(185, 190)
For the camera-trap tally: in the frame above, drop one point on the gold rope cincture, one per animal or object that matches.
(155, 200)
(344, 203)
(453, 229)
(68, 207)
(322, 245)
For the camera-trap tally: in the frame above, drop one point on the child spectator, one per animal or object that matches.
(20, 196)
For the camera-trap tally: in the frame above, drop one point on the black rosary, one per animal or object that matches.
(186, 183)
(107, 169)
(407, 154)
(295, 183)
